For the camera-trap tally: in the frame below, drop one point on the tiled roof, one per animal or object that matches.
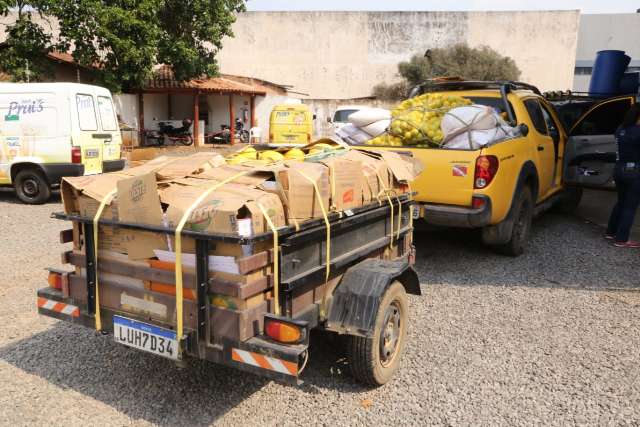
(164, 79)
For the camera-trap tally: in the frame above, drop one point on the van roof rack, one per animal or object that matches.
(440, 84)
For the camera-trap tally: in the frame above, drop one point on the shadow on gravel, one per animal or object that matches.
(143, 386)
(563, 252)
(8, 195)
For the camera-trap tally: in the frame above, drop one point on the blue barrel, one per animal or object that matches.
(607, 72)
(630, 83)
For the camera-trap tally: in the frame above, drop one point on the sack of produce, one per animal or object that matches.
(471, 117)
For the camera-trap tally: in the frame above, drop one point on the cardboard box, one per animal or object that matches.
(346, 182)
(196, 163)
(230, 209)
(299, 193)
(377, 176)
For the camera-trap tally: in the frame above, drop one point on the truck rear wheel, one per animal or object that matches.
(522, 218)
(374, 360)
(32, 187)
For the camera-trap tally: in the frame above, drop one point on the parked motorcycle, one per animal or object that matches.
(168, 133)
(224, 135)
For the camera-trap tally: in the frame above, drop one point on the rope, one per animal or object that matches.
(106, 199)
(178, 238)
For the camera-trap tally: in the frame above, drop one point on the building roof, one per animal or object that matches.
(164, 80)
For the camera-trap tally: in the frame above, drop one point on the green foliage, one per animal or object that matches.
(459, 60)
(393, 91)
(23, 55)
(123, 39)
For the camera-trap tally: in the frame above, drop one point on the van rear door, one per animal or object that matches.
(110, 132)
(590, 154)
(87, 135)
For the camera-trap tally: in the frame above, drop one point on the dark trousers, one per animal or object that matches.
(621, 219)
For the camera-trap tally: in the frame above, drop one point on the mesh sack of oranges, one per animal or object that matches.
(416, 121)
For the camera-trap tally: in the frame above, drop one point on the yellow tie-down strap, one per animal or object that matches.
(105, 200)
(178, 237)
(326, 221)
(276, 272)
(385, 192)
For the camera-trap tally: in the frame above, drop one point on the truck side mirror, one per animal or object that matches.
(524, 129)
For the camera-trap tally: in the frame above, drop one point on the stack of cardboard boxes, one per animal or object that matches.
(160, 191)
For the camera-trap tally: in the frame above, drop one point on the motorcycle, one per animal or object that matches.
(167, 132)
(224, 135)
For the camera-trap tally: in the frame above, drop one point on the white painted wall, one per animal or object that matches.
(127, 108)
(155, 107)
(181, 106)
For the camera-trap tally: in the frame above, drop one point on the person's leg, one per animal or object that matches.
(628, 208)
(614, 218)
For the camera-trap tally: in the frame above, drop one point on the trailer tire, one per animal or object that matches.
(374, 360)
(32, 186)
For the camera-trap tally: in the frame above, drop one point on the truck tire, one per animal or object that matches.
(522, 218)
(32, 187)
(374, 360)
(570, 200)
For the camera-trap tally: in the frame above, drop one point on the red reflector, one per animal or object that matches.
(486, 169)
(76, 155)
(477, 202)
(55, 280)
(282, 332)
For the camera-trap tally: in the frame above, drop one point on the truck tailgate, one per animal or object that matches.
(447, 177)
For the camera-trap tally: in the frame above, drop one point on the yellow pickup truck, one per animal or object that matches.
(502, 186)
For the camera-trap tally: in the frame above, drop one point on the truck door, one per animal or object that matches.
(109, 129)
(87, 136)
(590, 154)
(544, 146)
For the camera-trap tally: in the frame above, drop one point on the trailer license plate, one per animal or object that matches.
(145, 337)
(91, 153)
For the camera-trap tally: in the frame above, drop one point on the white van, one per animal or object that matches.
(52, 130)
(341, 115)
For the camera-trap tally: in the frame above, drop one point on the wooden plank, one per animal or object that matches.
(254, 262)
(66, 236)
(132, 269)
(143, 272)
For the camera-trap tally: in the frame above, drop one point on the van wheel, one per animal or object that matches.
(374, 360)
(522, 218)
(32, 187)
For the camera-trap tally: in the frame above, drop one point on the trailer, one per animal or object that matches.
(358, 291)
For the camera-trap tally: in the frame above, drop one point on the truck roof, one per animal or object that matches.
(51, 87)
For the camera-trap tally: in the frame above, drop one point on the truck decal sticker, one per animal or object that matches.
(459, 170)
(27, 106)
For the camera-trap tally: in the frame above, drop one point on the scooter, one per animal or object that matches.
(181, 135)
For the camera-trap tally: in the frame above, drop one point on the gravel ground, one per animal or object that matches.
(552, 337)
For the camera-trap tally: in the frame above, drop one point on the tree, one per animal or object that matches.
(459, 60)
(23, 55)
(123, 39)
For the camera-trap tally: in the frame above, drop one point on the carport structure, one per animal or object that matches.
(209, 101)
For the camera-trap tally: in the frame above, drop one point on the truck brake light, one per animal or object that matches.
(76, 155)
(486, 169)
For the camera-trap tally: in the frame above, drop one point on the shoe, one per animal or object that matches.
(609, 236)
(627, 244)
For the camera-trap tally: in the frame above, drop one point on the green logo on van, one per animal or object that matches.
(11, 118)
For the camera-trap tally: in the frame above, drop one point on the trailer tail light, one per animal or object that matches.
(486, 169)
(285, 330)
(55, 280)
(76, 155)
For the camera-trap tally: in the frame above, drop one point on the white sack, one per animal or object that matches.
(352, 135)
(471, 117)
(377, 128)
(475, 139)
(367, 116)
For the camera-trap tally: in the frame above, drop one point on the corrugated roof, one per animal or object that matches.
(164, 80)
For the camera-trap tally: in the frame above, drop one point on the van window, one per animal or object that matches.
(533, 108)
(604, 119)
(86, 112)
(107, 114)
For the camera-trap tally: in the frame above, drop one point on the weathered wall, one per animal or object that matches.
(342, 55)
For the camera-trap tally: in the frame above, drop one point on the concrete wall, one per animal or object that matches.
(342, 55)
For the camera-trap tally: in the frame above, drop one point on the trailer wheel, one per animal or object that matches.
(32, 187)
(374, 360)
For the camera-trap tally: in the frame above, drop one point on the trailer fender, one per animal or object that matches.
(357, 297)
